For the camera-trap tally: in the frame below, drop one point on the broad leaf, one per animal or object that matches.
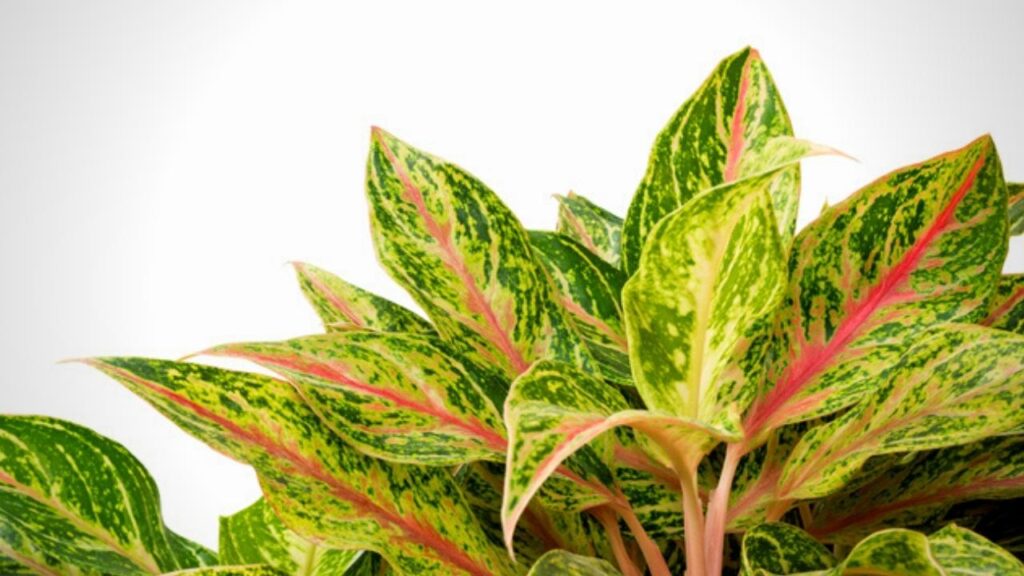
(589, 288)
(709, 272)
(10, 567)
(718, 136)
(393, 396)
(190, 553)
(1006, 310)
(924, 489)
(73, 501)
(653, 493)
(1016, 207)
(958, 384)
(465, 258)
(415, 517)
(342, 306)
(256, 536)
(777, 548)
(240, 570)
(918, 247)
(595, 228)
(562, 563)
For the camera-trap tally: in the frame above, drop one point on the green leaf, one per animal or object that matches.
(256, 536)
(10, 567)
(415, 517)
(342, 306)
(562, 563)
(958, 384)
(1006, 310)
(190, 553)
(718, 136)
(242, 570)
(924, 489)
(595, 228)
(555, 410)
(777, 548)
(708, 273)
(465, 258)
(1015, 190)
(73, 501)
(589, 289)
(918, 247)
(393, 396)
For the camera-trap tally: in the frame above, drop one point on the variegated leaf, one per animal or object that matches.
(924, 489)
(562, 563)
(240, 570)
(595, 228)
(920, 246)
(708, 273)
(778, 548)
(190, 553)
(958, 384)
(256, 536)
(718, 136)
(415, 517)
(465, 258)
(555, 410)
(757, 477)
(74, 502)
(1015, 192)
(589, 289)
(343, 306)
(393, 396)
(1006, 311)
(10, 567)
(653, 493)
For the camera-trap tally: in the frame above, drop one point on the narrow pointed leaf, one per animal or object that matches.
(709, 272)
(777, 548)
(1015, 191)
(1006, 311)
(918, 247)
(73, 500)
(589, 288)
(465, 258)
(415, 517)
(718, 136)
(256, 536)
(959, 384)
(393, 396)
(597, 229)
(562, 563)
(343, 306)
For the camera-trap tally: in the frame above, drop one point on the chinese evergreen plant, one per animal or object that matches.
(697, 388)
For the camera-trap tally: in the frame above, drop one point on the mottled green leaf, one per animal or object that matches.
(320, 487)
(10, 567)
(708, 273)
(718, 136)
(343, 306)
(1006, 310)
(562, 563)
(241, 570)
(393, 396)
(595, 228)
(256, 536)
(589, 289)
(653, 493)
(72, 501)
(190, 553)
(958, 384)
(923, 489)
(465, 258)
(1015, 192)
(777, 548)
(920, 246)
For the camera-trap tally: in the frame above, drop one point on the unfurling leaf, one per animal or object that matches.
(597, 229)
(562, 563)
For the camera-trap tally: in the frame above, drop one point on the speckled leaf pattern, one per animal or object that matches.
(10, 567)
(923, 489)
(562, 563)
(240, 570)
(1006, 310)
(920, 246)
(597, 229)
(393, 396)
(555, 410)
(74, 502)
(709, 272)
(653, 494)
(415, 517)
(716, 137)
(958, 384)
(342, 306)
(1015, 191)
(190, 553)
(256, 536)
(465, 258)
(589, 288)
(757, 478)
(777, 548)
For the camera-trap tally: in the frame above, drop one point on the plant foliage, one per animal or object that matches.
(697, 388)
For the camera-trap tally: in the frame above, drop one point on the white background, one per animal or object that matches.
(160, 162)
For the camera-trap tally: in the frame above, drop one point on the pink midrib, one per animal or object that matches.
(814, 359)
(1005, 307)
(736, 138)
(339, 304)
(416, 532)
(476, 301)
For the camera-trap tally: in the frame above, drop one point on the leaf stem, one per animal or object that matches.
(610, 520)
(652, 554)
(718, 507)
(693, 524)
